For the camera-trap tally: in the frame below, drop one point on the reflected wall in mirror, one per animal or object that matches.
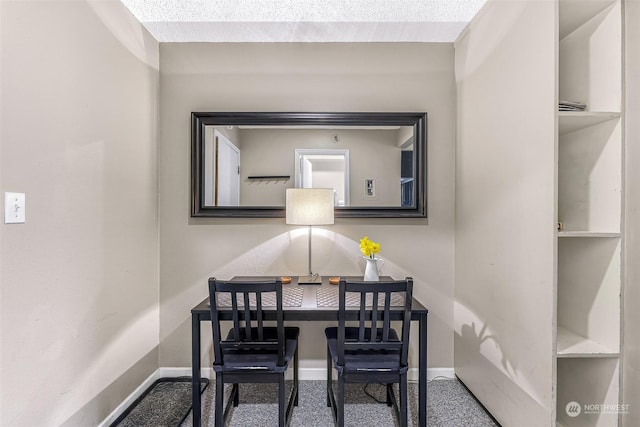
(324, 168)
(242, 163)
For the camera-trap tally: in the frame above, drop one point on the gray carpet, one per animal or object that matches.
(449, 405)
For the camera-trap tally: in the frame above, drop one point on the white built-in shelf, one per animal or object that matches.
(589, 182)
(571, 121)
(574, 13)
(587, 234)
(572, 345)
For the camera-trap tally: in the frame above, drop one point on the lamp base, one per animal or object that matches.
(310, 280)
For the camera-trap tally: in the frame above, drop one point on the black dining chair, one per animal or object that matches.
(371, 352)
(251, 352)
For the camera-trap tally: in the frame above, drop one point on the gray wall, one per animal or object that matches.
(79, 280)
(302, 77)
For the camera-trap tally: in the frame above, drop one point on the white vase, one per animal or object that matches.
(371, 270)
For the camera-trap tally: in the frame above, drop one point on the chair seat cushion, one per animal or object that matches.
(259, 360)
(364, 360)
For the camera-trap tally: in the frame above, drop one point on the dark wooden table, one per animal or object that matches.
(308, 311)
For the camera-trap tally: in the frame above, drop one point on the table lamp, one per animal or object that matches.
(310, 206)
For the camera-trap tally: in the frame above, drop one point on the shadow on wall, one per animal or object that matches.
(473, 344)
(99, 407)
(478, 350)
(287, 254)
(474, 340)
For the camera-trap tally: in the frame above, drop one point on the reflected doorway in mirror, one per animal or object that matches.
(221, 170)
(324, 168)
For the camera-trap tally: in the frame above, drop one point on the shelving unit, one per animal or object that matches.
(590, 177)
(589, 189)
(588, 382)
(572, 345)
(587, 234)
(571, 121)
(589, 289)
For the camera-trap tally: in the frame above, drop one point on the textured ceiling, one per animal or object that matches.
(304, 20)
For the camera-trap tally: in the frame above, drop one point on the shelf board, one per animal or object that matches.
(571, 121)
(572, 345)
(588, 234)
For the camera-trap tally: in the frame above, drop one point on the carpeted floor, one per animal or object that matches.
(449, 405)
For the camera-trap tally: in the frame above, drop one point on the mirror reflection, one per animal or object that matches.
(324, 168)
(253, 165)
(244, 162)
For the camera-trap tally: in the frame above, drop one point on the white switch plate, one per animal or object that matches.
(14, 208)
(369, 188)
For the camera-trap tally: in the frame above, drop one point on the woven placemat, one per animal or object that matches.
(328, 297)
(291, 297)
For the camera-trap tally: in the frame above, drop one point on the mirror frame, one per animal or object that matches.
(199, 120)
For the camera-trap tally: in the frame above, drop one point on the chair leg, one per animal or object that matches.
(295, 376)
(389, 395)
(329, 377)
(282, 413)
(236, 396)
(340, 402)
(403, 400)
(219, 407)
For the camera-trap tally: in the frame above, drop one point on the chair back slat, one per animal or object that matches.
(215, 329)
(247, 316)
(386, 325)
(247, 335)
(374, 316)
(234, 308)
(374, 321)
(259, 316)
(363, 319)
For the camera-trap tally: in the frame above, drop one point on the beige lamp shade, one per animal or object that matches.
(310, 206)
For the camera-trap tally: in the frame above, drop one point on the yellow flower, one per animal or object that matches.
(368, 247)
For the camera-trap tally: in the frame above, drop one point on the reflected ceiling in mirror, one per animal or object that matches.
(242, 163)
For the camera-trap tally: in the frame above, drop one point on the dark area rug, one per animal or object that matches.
(165, 404)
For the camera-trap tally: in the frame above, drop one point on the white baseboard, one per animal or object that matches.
(309, 370)
(433, 374)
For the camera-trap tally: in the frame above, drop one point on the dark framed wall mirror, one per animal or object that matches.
(242, 163)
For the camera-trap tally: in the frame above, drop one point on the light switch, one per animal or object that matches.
(369, 188)
(14, 208)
